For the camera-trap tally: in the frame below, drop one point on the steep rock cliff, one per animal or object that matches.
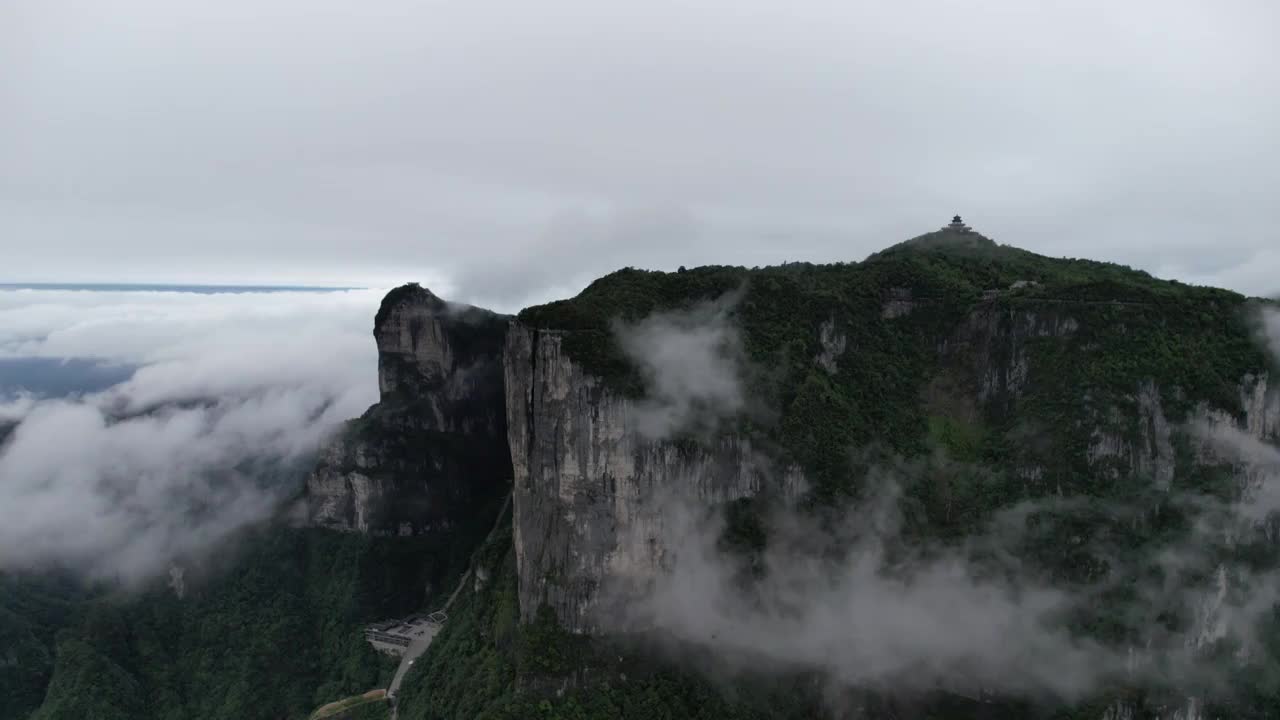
(590, 492)
(434, 448)
(1044, 379)
(1001, 369)
(978, 379)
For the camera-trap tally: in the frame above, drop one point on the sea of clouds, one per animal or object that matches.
(232, 394)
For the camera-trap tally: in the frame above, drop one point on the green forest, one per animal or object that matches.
(271, 629)
(274, 632)
(897, 400)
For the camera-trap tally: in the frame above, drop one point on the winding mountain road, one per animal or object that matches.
(415, 649)
(420, 644)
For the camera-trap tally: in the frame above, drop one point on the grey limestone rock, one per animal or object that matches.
(435, 446)
(589, 491)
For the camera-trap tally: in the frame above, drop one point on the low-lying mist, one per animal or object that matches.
(690, 361)
(213, 431)
(850, 594)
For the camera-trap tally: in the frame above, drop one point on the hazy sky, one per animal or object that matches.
(507, 152)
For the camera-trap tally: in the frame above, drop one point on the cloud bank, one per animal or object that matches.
(515, 152)
(852, 607)
(853, 598)
(231, 395)
(691, 362)
(1271, 329)
(858, 603)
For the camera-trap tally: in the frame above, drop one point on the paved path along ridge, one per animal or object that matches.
(423, 641)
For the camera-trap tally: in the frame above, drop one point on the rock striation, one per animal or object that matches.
(590, 493)
(434, 447)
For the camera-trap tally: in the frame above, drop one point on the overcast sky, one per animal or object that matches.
(508, 152)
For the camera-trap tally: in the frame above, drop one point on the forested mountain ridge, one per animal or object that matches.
(997, 444)
(1096, 410)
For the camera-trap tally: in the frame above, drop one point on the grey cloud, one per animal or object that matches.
(1271, 330)
(1257, 457)
(233, 395)
(1260, 461)
(863, 605)
(574, 247)
(867, 615)
(16, 407)
(320, 140)
(1239, 596)
(692, 363)
(119, 499)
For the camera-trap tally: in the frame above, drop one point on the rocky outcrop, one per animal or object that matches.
(589, 492)
(992, 346)
(1189, 709)
(898, 302)
(833, 343)
(1148, 450)
(1119, 711)
(988, 369)
(442, 359)
(434, 447)
(1261, 406)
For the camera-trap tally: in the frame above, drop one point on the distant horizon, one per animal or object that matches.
(200, 288)
(444, 289)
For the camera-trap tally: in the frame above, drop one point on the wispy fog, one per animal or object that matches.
(231, 395)
(864, 618)
(862, 605)
(1271, 329)
(692, 363)
(857, 599)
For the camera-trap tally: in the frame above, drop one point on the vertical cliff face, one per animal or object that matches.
(443, 361)
(590, 491)
(998, 368)
(995, 368)
(434, 447)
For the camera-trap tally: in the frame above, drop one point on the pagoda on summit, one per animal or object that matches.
(958, 225)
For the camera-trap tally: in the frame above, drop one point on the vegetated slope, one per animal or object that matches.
(487, 665)
(32, 611)
(1135, 327)
(272, 626)
(273, 632)
(1039, 378)
(920, 321)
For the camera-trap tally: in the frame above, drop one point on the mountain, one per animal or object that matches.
(1100, 408)
(956, 479)
(1069, 377)
(440, 416)
(272, 625)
